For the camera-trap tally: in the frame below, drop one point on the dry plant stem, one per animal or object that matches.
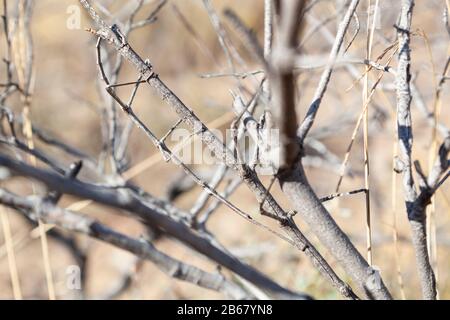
(282, 78)
(41, 226)
(431, 209)
(70, 150)
(251, 41)
(4, 215)
(415, 210)
(268, 37)
(24, 238)
(25, 65)
(54, 196)
(394, 208)
(118, 141)
(417, 98)
(337, 195)
(171, 156)
(152, 215)
(326, 75)
(75, 222)
(14, 275)
(312, 32)
(355, 131)
(436, 110)
(223, 169)
(221, 153)
(250, 176)
(255, 49)
(10, 86)
(296, 187)
(446, 14)
(204, 196)
(32, 152)
(215, 21)
(370, 35)
(189, 28)
(217, 178)
(230, 188)
(214, 183)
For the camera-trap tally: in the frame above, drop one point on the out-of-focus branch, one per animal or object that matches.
(216, 147)
(282, 78)
(49, 213)
(152, 215)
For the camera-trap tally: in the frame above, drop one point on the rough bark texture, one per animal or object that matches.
(415, 205)
(297, 188)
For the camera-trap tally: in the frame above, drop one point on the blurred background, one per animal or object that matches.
(67, 103)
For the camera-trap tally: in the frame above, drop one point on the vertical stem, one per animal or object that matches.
(431, 209)
(4, 219)
(42, 227)
(25, 75)
(370, 33)
(15, 281)
(415, 209)
(394, 207)
(268, 37)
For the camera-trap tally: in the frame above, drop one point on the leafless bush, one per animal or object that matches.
(265, 105)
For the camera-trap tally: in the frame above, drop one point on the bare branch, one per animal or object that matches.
(415, 210)
(326, 75)
(144, 249)
(217, 148)
(152, 215)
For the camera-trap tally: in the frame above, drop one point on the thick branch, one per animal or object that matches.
(71, 221)
(218, 149)
(150, 214)
(296, 187)
(283, 77)
(415, 209)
